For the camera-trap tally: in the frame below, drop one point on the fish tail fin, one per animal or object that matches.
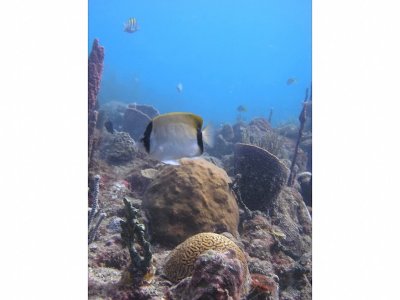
(208, 135)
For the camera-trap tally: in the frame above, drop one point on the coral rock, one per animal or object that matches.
(263, 176)
(263, 287)
(216, 275)
(119, 149)
(291, 215)
(190, 198)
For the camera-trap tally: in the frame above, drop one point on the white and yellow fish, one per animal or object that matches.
(131, 25)
(172, 136)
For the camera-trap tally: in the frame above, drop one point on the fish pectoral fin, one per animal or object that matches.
(171, 162)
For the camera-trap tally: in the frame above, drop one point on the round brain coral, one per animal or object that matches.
(180, 262)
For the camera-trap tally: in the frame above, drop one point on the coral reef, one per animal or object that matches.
(280, 247)
(215, 276)
(260, 133)
(263, 176)
(118, 148)
(270, 259)
(187, 199)
(95, 70)
(292, 217)
(113, 111)
(180, 262)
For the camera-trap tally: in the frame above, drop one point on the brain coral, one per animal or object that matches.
(187, 199)
(180, 262)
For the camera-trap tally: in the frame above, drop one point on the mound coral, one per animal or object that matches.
(180, 262)
(188, 199)
(119, 148)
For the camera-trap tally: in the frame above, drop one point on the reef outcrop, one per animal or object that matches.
(188, 199)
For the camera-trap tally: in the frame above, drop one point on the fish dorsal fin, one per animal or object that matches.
(184, 117)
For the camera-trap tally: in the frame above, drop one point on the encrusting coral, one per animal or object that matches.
(180, 262)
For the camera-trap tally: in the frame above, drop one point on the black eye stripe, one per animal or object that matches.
(200, 139)
(146, 137)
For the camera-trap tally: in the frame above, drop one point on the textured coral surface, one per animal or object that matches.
(180, 262)
(216, 275)
(188, 199)
(263, 175)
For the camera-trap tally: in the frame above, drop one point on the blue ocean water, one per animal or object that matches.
(224, 53)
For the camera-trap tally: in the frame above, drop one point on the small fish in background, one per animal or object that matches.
(179, 87)
(109, 126)
(241, 108)
(131, 25)
(291, 81)
(172, 136)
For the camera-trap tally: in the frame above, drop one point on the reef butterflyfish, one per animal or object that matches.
(131, 25)
(172, 136)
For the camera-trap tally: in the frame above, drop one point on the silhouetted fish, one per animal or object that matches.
(291, 81)
(109, 126)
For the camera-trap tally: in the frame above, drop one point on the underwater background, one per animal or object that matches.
(223, 53)
(178, 211)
